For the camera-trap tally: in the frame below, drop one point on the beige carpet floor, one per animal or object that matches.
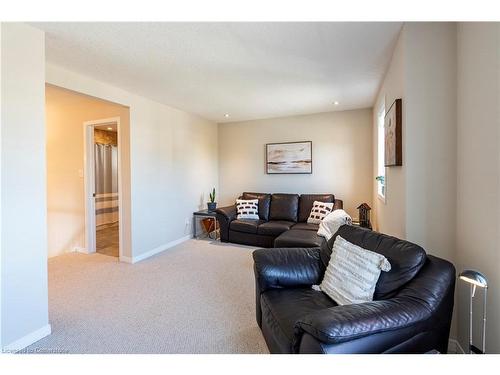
(197, 297)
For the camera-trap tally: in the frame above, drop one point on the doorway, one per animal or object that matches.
(103, 186)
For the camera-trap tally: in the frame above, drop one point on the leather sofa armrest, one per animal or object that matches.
(287, 267)
(224, 216)
(228, 212)
(348, 322)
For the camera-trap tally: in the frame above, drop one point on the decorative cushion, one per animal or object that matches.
(274, 227)
(264, 203)
(306, 202)
(247, 209)
(406, 258)
(352, 273)
(319, 211)
(332, 222)
(284, 207)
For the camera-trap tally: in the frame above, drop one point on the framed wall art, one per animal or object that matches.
(393, 142)
(289, 158)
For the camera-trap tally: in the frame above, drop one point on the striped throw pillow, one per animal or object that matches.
(319, 211)
(247, 208)
(352, 273)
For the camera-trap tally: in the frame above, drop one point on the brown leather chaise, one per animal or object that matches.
(411, 311)
(282, 221)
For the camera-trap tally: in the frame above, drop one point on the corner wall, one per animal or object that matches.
(24, 302)
(421, 195)
(341, 152)
(173, 163)
(388, 216)
(66, 111)
(423, 74)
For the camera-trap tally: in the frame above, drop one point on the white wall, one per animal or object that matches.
(173, 159)
(342, 156)
(1, 256)
(478, 180)
(421, 202)
(423, 74)
(66, 111)
(389, 216)
(430, 83)
(23, 192)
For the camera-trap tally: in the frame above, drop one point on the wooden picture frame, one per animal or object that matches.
(289, 158)
(393, 141)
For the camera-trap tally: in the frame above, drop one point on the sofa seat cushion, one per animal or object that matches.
(274, 227)
(281, 308)
(299, 238)
(306, 226)
(245, 225)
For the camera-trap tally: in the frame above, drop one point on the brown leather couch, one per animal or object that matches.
(282, 221)
(410, 313)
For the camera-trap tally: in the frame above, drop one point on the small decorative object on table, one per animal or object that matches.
(212, 205)
(364, 216)
(476, 279)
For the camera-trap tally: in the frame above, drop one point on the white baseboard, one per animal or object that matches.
(79, 249)
(27, 340)
(125, 259)
(154, 251)
(454, 347)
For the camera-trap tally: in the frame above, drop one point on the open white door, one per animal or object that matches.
(90, 189)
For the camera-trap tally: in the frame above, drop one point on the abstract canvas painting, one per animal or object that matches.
(289, 158)
(392, 141)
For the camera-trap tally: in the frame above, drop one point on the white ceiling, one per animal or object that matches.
(249, 70)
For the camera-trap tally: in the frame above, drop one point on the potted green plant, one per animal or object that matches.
(212, 205)
(381, 179)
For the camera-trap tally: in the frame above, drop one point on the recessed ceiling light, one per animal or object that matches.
(226, 115)
(335, 103)
(110, 128)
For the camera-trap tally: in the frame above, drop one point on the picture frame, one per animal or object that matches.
(289, 158)
(393, 142)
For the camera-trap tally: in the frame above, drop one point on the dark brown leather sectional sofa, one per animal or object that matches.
(282, 221)
(411, 311)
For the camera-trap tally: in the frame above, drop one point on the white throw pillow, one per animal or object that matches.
(319, 211)
(332, 222)
(352, 273)
(247, 208)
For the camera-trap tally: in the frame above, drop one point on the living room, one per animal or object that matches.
(281, 126)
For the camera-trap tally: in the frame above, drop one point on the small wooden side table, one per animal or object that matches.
(207, 215)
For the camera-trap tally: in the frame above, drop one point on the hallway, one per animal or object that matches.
(107, 240)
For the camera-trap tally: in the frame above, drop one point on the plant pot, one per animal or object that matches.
(211, 206)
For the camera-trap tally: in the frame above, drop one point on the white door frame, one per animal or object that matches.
(89, 181)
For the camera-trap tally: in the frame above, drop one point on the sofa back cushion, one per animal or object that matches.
(306, 202)
(284, 207)
(264, 203)
(406, 258)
